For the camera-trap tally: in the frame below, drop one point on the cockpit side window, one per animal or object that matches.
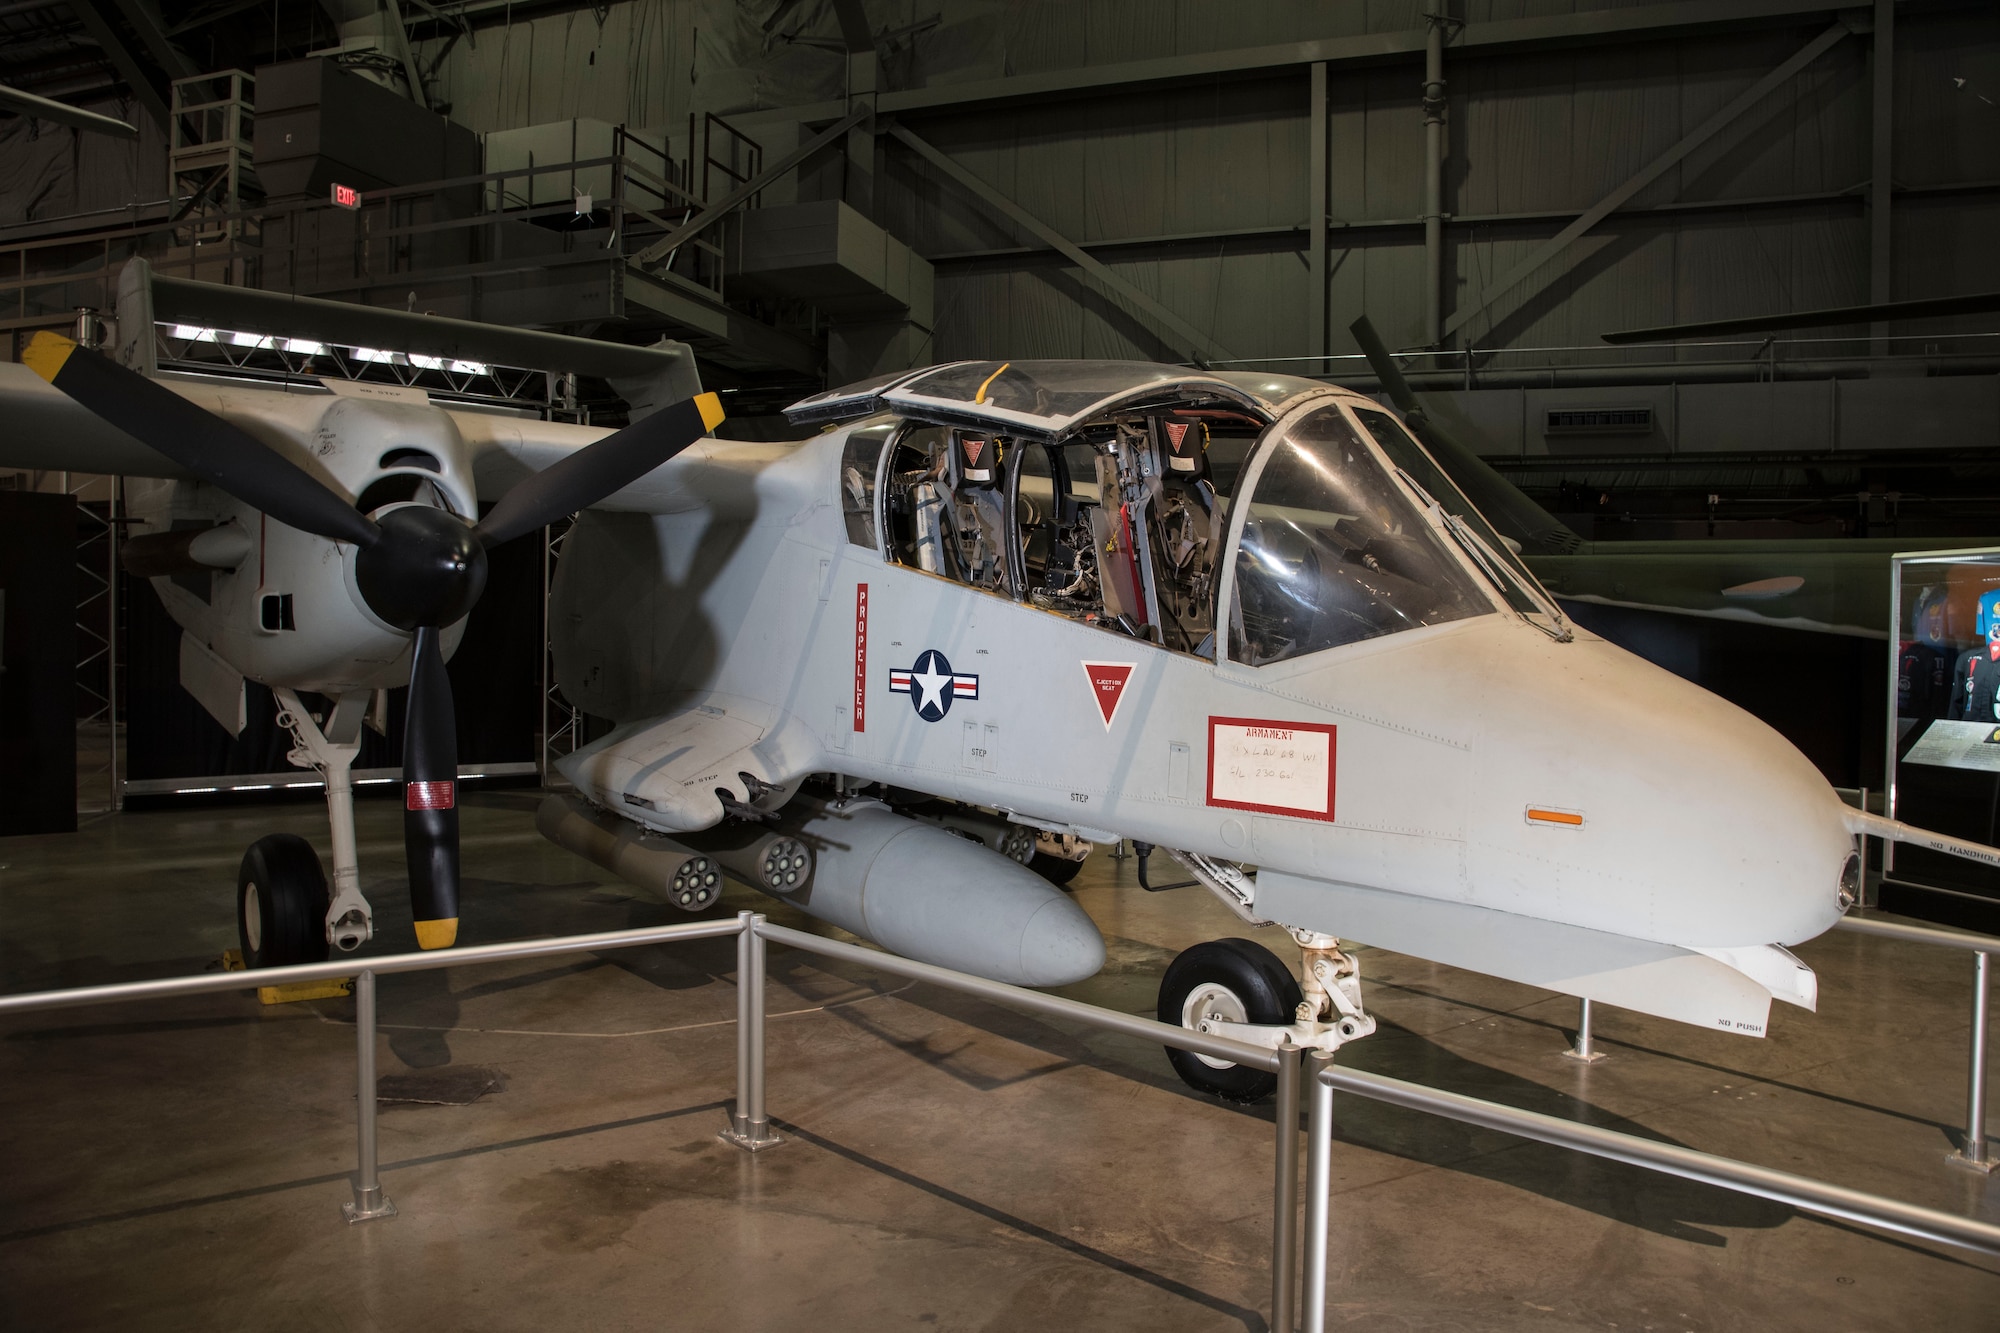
(944, 505)
(1333, 551)
(860, 460)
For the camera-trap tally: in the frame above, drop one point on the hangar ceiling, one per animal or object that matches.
(1199, 179)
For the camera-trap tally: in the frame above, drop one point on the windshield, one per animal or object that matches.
(1499, 560)
(1334, 551)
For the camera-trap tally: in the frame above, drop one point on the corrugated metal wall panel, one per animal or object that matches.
(1945, 130)
(1528, 132)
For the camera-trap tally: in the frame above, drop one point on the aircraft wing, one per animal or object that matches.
(48, 431)
(671, 773)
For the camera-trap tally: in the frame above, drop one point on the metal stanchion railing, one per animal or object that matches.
(1584, 1052)
(1283, 1062)
(1972, 1154)
(369, 1201)
(749, 1127)
(1319, 1190)
(749, 1124)
(1813, 1196)
(1285, 1193)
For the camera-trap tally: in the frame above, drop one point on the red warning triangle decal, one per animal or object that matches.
(1107, 686)
(973, 449)
(1176, 433)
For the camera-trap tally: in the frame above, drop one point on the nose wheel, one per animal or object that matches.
(281, 903)
(1232, 982)
(1238, 989)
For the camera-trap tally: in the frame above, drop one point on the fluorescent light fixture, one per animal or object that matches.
(193, 333)
(426, 362)
(304, 347)
(470, 368)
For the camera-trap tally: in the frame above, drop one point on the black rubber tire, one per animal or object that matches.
(1057, 870)
(1265, 987)
(282, 874)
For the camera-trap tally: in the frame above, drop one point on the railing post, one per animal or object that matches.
(1285, 1195)
(1583, 1052)
(1973, 1155)
(369, 1202)
(749, 1128)
(1319, 1187)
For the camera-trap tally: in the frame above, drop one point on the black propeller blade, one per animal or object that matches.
(430, 795)
(610, 465)
(419, 569)
(199, 441)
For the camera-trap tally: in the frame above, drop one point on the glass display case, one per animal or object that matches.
(1943, 743)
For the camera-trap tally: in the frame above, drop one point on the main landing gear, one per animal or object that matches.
(281, 903)
(285, 911)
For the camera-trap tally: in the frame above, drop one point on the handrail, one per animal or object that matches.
(1914, 934)
(752, 1129)
(340, 969)
(749, 1126)
(1815, 1196)
(1051, 1006)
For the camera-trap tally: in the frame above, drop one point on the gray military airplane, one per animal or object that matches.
(1243, 618)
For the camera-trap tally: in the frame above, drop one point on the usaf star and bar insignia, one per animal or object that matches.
(932, 685)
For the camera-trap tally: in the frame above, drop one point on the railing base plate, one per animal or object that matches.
(356, 1212)
(1985, 1166)
(750, 1137)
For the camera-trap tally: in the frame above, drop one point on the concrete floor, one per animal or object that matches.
(949, 1164)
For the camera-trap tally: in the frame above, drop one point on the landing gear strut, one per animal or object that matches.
(347, 921)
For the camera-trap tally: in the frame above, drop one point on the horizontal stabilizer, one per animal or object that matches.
(1640, 975)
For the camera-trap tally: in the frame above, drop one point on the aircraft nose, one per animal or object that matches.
(1654, 807)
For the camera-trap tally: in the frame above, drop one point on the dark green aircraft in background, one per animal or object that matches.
(1829, 585)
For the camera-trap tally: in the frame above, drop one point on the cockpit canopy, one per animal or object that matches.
(1028, 399)
(1105, 491)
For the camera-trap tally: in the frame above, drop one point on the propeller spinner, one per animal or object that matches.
(418, 569)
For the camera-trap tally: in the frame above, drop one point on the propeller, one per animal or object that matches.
(418, 569)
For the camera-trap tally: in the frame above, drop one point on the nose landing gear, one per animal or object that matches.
(1238, 988)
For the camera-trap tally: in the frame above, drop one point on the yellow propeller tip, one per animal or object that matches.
(710, 408)
(46, 352)
(440, 934)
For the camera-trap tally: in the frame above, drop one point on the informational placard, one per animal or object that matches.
(1274, 768)
(1948, 744)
